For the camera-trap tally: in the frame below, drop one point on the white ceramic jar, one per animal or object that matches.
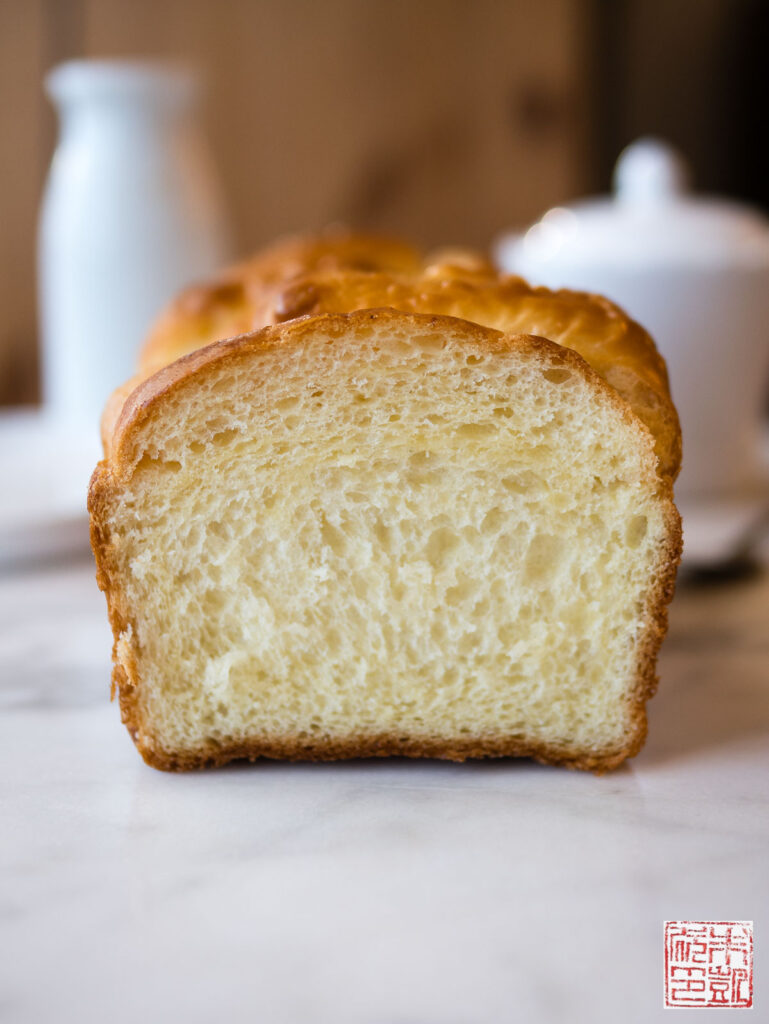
(695, 272)
(132, 211)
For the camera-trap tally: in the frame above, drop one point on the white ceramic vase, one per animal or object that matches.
(132, 211)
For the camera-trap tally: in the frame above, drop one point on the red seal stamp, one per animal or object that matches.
(708, 963)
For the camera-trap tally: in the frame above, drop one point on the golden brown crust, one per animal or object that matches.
(110, 474)
(235, 301)
(341, 273)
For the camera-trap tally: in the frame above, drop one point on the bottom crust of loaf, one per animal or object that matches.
(381, 747)
(465, 748)
(458, 750)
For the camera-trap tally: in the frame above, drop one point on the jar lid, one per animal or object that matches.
(650, 219)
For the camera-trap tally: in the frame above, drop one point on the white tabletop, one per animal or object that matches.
(368, 892)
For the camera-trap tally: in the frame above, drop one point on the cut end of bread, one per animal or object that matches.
(382, 534)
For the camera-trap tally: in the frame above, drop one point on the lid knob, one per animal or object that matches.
(650, 172)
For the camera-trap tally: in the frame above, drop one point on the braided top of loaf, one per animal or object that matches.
(339, 272)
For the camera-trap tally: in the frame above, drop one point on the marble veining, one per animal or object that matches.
(367, 892)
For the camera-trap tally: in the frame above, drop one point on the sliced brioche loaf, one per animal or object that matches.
(383, 533)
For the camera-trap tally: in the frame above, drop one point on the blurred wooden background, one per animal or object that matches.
(443, 120)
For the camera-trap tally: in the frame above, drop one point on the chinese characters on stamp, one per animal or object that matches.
(708, 963)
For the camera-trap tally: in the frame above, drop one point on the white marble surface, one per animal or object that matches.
(368, 893)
